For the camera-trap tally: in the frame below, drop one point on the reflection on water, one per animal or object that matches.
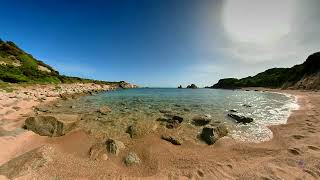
(147, 105)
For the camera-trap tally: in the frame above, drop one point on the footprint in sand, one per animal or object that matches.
(296, 136)
(295, 151)
(314, 148)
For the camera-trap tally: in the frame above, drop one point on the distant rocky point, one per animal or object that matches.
(192, 86)
(180, 87)
(302, 76)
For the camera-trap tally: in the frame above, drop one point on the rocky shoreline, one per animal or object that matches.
(108, 154)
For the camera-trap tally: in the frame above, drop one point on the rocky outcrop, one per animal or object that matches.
(302, 76)
(192, 86)
(131, 159)
(180, 87)
(51, 125)
(240, 118)
(211, 134)
(126, 85)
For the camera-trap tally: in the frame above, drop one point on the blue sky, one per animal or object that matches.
(156, 43)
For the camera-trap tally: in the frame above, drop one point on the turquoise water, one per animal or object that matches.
(148, 104)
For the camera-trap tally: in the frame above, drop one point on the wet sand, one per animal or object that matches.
(293, 153)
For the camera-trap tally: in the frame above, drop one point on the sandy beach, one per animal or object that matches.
(292, 153)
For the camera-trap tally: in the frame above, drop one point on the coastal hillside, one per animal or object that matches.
(302, 76)
(17, 66)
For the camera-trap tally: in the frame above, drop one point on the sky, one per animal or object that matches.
(163, 43)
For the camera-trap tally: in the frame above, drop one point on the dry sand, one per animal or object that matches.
(293, 153)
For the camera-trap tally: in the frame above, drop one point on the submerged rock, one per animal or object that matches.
(131, 159)
(51, 125)
(141, 128)
(104, 110)
(114, 146)
(240, 118)
(201, 120)
(172, 139)
(211, 134)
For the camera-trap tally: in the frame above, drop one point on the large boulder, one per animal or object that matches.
(240, 119)
(131, 159)
(114, 146)
(51, 125)
(211, 134)
(201, 120)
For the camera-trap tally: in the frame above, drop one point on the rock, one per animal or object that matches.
(173, 124)
(104, 110)
(192, 86)
(28, 162)
(114, 146)
(96, 151)
(180, 87)
(131, 159)
(172, 140)
(66, 96)
(201, 120)
(211, 134)
(51, 125)
(240, 118)
(246, 105)
(42, 109)
(141, 128)
(233, 110)
(178, 118)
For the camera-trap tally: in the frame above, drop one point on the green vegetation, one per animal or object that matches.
(16, 66)
(275, 77)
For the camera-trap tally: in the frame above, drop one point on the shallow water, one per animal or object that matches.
(148, 104)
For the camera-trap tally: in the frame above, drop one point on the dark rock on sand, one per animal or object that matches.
(114, 146)
(51, 125)
(246, 105)
(233, 111)
(173, 124)
(131, 159)
(172, 139)
(240, 118)
(201, 120)
(104, 110)
(211, 134)
(178, 118)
